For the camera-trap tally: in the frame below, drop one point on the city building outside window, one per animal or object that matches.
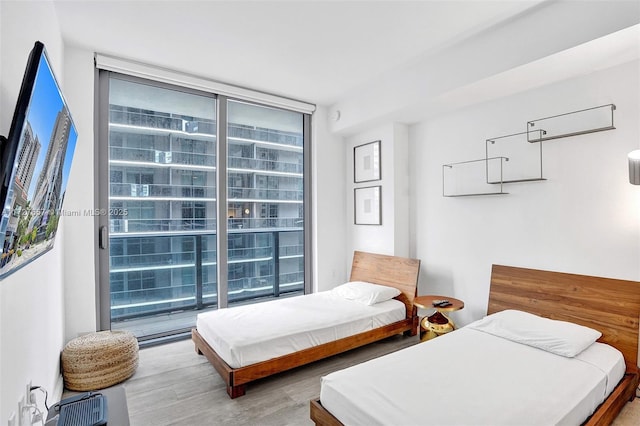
(163, 179)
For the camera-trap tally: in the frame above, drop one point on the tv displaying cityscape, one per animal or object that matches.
(36, 160)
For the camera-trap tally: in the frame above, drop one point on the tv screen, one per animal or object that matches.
(36, 158)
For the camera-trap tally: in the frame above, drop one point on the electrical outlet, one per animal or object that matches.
(12, 420)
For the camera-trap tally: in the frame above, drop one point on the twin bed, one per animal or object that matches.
(510, 367)
(250, 342)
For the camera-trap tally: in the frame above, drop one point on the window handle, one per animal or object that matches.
(102, 237)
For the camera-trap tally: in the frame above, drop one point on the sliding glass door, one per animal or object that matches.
(265, 199)
(163, 187)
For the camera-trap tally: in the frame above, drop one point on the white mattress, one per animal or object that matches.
(468, 377)
(245, 335)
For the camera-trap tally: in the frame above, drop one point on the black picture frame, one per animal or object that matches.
(367, 205)
(367, 162)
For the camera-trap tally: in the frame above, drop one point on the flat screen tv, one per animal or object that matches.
(34, 169)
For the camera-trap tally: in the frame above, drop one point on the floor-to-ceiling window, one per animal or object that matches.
(159, 259)
(265, 193)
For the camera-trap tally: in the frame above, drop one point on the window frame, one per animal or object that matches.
(101, 201)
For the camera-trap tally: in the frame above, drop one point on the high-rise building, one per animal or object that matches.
(48, 194)
(163, 207)
(26, 163)
(27, 158)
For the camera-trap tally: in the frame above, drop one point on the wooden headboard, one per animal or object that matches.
(393, 271)
(608, 305)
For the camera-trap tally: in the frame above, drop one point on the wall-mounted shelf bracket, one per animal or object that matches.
(525, 159)
(590, 120)
(468, 178)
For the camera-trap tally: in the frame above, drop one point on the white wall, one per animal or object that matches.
(584, 219)
(31, 299)
(392, 236)
(328, 176)
(401, 200)
(80, 242)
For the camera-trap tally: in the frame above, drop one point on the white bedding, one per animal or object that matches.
(245, 335)
(469, 377)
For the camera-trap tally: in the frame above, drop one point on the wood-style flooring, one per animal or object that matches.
(175, 386)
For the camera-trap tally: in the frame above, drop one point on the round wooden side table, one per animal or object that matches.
(437, 323)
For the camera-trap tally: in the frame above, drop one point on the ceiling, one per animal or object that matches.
(313, 51)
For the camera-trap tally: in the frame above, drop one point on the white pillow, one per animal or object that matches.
(364, 292)
(558, 337)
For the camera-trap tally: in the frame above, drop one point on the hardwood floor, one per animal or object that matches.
(175, 386)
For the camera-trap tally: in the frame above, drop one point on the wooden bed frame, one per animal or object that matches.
(399, 272)
(610, 306)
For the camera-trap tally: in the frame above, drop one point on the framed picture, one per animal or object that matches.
(366, 162)
(367, 205)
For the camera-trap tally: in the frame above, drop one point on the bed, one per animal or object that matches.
(498, 382)
(311, 333)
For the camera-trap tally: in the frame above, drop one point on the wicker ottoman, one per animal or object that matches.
(99, 360)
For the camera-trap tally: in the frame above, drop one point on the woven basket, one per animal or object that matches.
(99, 360)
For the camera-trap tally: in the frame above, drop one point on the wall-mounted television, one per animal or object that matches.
(35, 159)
